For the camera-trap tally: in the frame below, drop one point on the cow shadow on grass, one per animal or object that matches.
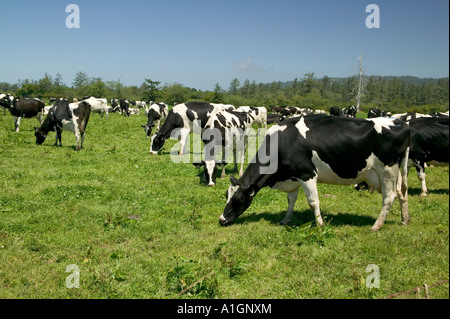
(416, 191)
(306, 216)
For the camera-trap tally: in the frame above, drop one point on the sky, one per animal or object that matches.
(199, 43)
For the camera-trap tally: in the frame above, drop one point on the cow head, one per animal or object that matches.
(6, 100)
(210, 172)
(239, 198)
(157, 143)
(40, 136)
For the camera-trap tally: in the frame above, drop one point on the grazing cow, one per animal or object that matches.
(133, 111)
(429, 144)
(182, 117)
(124, 107)
(335, 111)
(258, 115)
(226, 129)
(274, 118)
(27, 108)
(156, 114)
(63, 115)
(349, 111)
(324, 149)
(139, 104)
(278, 110)
(376, 112)
(98, 105)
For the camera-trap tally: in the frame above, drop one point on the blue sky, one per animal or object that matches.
(199, 43)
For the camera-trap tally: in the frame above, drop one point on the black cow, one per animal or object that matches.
(156, 114)
(335, 111)
(124, 107)
(429, 144)
(274, 118)
(315, 149)
(63, 115)
(27, 108)
(182, 117)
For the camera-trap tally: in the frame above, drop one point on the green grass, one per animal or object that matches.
(140, 226)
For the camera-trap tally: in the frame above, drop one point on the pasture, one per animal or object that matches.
(140, 226)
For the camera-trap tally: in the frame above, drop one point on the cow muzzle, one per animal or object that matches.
(223, 221)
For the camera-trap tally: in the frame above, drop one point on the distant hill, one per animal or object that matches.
(407, 79)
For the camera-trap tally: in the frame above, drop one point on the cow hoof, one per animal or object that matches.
(375, 228)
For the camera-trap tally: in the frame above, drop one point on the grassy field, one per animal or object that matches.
(140, 226)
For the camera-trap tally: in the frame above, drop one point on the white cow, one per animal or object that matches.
(98, 105)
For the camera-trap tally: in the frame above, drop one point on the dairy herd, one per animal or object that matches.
(303, 147)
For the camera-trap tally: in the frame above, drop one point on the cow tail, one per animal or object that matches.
(87, 113)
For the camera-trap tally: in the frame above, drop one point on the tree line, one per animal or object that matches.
(396, 94)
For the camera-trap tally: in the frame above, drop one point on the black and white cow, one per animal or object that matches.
(139, 104)
(325, 149)
(124, 107)
(227, 130)
(27, 108)
(258, 115)
(114, 105)
(156, 114)
(376, 112)
(182, 117)
(98, 105)
(63, 115)
(429, 144)
(349, 111)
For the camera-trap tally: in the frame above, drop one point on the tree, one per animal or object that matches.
(234, 86)
(81, 79)
(307, 84)
(151, 91)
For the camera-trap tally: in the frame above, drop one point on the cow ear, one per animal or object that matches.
(234, 181)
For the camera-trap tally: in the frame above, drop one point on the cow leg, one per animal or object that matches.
(184, 134)
(420, 169)
(58, 136)
(245, 138)
(389, 193)
(16, 123)
(81, 140)
(402, 190)
(77, 137)
(292, 198)
(312, 195)
(223, 174)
